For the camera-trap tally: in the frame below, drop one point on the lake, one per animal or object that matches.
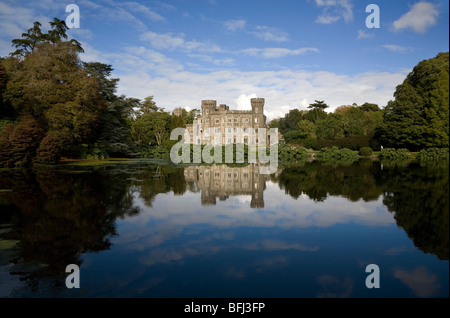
(154, 230)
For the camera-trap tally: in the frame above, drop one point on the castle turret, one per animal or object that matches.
(208, 106)
(257, 105)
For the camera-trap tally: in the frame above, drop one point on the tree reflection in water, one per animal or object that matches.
(57, 215)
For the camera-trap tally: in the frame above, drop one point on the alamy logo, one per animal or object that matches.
(233, 140)
(73, 19)
(373, 19)
(73, 280)
(373, 280)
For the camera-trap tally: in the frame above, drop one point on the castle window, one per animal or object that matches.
(256, 120)
(229, 130)
(229, 120)
(245, 120)
(256, 110)
(235, 120)
(217, 121)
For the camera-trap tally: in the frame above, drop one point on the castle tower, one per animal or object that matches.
(208, 106)
(257, 105)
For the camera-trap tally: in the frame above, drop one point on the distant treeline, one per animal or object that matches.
(418, 117)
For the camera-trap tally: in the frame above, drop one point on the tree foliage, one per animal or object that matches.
(33, 37)
(318, 104)
(418, 117)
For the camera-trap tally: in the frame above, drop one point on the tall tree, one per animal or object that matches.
(418, 117)
(48, 87)
(318, 104)
(148, 106)
(34, 36)
(3, 81)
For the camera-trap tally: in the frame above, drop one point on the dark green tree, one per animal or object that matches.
(34, 36)
(418, 117)
(318, 104)
(148, 106)
(369, 107)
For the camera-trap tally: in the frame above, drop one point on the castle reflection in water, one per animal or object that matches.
(222, 181)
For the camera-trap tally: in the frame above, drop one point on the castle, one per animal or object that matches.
(220, 125)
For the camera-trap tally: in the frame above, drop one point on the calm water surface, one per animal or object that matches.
(141, 229)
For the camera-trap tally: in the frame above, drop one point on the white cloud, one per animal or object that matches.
(334, 10)
(136, 7)
(270, 53)
(145, 72)
(215, 61)
(234, 25)
(397, 48)
(266, 33)
(327, 19)
(364, 35)
(243, 101)
(420, 280)
(169, 41)
(15, 20)
(421, 16)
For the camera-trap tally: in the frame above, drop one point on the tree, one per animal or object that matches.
(418, 117)
(315, 115)
(113, 133)
(274, 123)
(369, 107)
(148, 106)
(102, 72)
(318, 104)
(290, 121)
(191, 115)
(3, 81)
(18, 143)
(34, 36)
(151, 129)
(46, 82)
(307, 129)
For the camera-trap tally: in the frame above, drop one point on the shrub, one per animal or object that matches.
(395, 154)
(48, 150)
(160, 152)
(311, 143)
(433, 154)
(287, 153)
(334, 153)
(95, 151)
(365, 151)
(293, 137)
(18, 143)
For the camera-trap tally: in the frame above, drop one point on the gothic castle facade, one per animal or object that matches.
(220, 125)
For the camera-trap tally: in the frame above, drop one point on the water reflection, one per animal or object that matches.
(160, 215)
(51, 219)
(222, 181)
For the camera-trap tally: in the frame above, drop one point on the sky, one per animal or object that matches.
(290, 52)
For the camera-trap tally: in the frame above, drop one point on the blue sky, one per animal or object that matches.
(290, 52)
